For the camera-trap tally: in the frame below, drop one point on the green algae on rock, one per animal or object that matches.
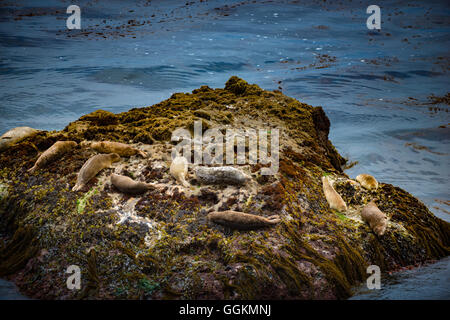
(160, 245)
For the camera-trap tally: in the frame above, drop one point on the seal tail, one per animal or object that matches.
(149, 186)
(273, 219)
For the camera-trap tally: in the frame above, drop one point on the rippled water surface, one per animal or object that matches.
(430, 282)
(374, 86)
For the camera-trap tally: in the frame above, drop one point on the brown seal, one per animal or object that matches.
(333, 198)
(367, 181)
(240, 220)
(128, 185)
(53, 153)
(376, 219)
(93, 166)
(121, 149)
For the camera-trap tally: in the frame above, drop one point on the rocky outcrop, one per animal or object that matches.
(161, 245)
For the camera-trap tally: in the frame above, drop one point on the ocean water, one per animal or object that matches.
(424, 283)
(373, 85)
(8, 291)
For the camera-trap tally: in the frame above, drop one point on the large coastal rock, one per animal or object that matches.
(160, 244)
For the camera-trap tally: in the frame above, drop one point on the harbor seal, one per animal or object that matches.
(128, 185)
(93, 166)
(52, 153)
(220, 175)
(121, 149)
(376, 219)
(242, 221)
(367, 181)
(15, 135)
(333, 198)
(178, 170)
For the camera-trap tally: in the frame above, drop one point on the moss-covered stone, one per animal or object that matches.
(161, 246)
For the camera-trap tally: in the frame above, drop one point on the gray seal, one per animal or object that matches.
(220, 175)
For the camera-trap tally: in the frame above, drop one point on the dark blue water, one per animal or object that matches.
(9, 291)
(430, 282)
(373, 85)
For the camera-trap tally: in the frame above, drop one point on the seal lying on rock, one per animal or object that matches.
(121, 149)
(93, 166)
(128, 185)
(367, 181)
(179, 169)
(220, 175)
(240, 220)
(53, 153)
(15, 135)
(376, 219)
(333, 198)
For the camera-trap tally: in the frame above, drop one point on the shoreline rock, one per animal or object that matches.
(167, 249)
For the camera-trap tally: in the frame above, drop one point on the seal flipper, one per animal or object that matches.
(184, 182)
(273, 219)
(77, 187)
(142, 154)
(35, 167)
(32, 169)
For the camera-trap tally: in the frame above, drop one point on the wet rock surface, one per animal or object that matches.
(161, 245)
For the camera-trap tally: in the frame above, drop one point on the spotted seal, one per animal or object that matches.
(376, 218)
(15, 135)
(241, 220)
(367, 181)
(93, 166)
(122, 149)
(333, 198)
(128, 185)
(52, 153)
(178, 170)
